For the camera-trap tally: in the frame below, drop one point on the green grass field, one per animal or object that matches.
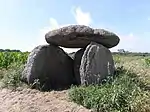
(127, 91)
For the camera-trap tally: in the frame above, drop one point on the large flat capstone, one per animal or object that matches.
(79, 36)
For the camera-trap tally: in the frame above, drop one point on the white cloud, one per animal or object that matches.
(128, 42)
(82, 18)
(53, 24)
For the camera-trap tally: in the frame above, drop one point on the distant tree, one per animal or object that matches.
(121, 50)
(15, 50)
(1, 50)
(7, 50)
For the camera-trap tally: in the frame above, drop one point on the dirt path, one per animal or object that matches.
(27, 100)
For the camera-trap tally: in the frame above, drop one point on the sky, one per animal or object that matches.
(24, 23)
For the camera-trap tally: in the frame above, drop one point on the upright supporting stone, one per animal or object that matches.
(77, 63)
(51, 66)
(96, 64)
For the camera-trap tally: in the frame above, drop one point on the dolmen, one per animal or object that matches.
(53, 69)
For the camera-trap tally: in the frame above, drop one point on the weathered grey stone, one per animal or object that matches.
(79, 36)
(107, 39)
(77, 62)
(96, 64)
(51, 66)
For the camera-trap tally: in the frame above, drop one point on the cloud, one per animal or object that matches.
(82, 18)
(129, 42)
(53, 24)
(133, 43)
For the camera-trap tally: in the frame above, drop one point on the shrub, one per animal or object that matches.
(147, 61)
(116, 59)
(12, 77)
(8, 58)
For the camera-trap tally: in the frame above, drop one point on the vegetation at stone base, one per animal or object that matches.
(11, 78)
(147, 61)
(11, 66)
(128, 91)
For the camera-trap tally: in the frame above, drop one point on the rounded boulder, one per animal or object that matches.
(50, 66)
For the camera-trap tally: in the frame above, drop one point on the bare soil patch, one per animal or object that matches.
(29, 100)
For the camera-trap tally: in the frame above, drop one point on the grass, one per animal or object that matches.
(11, 78)
(127, 91)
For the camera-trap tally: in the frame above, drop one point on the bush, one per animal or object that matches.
(12, 77)
(147, 61)
(8, 58)
(123, 94)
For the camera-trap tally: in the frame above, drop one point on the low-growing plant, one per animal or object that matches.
(117, 58)
(36, 85)
(12, 77)
(120, 95)
(147, 61)
(8, 58)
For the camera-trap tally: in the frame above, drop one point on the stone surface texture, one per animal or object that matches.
(79, 36)
(96, 64)
(49, 65)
